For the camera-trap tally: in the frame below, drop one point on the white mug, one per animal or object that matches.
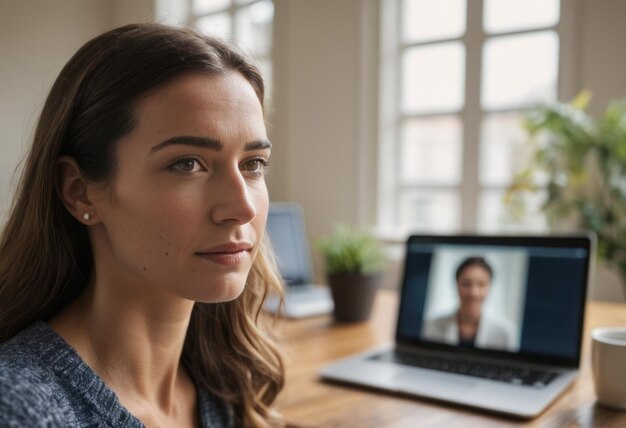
(608, 361)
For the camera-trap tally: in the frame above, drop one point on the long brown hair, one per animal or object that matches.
(45, 254)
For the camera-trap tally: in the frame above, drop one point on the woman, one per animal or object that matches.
(469, 325)
(132, 268)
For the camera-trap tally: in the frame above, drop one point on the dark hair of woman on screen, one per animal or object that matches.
(132, 264)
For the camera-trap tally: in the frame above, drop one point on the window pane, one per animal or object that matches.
(254, 27)
(505, 149)
(434, 78)
(216, 25)
(520, 70)
(494, 217)
(431, 151)
(429, 210)
(206, 6)
(431, 20)
(513, 15)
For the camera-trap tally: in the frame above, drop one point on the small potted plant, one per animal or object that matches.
(354, 263)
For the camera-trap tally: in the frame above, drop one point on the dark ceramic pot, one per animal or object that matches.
(353, 294)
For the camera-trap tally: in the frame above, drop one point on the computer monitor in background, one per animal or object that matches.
(287, 232)
(285, 226)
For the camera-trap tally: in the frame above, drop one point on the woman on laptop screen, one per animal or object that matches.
(469, 325)
(132, 269)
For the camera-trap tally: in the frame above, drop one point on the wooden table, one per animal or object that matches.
(313, 343)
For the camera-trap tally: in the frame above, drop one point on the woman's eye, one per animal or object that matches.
(186, 165)
(256, 166)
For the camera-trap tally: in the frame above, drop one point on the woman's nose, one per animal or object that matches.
(234, 204)
(475, 290)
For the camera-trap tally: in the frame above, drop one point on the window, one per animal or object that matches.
(246, 22)
(455, 77)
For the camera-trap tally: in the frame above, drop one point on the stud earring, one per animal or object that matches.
(86, 216)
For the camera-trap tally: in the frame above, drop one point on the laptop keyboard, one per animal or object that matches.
(498, 372)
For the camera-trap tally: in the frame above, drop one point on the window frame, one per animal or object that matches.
(471, 114)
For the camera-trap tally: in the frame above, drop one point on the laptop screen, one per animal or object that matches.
(508, 295)
(285, 227)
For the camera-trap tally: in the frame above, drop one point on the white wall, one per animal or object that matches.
(131, 11)
(601, 54)
(324, 111)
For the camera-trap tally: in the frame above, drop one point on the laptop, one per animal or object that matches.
(303, 298)
(524, 351)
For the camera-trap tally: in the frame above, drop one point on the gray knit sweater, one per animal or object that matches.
(44, 383)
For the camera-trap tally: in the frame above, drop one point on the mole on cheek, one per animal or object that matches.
(144, 268)
(167, 254)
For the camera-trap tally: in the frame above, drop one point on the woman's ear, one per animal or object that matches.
(72, 189)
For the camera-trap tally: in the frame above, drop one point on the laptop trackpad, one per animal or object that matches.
(433, 383)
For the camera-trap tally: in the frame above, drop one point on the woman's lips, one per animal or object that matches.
(225, 258)
(228, 254)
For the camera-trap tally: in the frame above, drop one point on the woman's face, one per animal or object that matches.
(186, 210)
(473, 284)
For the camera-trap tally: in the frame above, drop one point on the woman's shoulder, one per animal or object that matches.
(24, 401)
(444, 320)
(436, 327)
(20, 356)
(28, 393)
(25, 350)
(499, 326)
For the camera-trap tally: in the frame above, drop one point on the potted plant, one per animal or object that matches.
(583, 164)
(354, 263)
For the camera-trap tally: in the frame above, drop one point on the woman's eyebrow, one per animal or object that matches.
(208, 143)
(259, 145)
(204, 142)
